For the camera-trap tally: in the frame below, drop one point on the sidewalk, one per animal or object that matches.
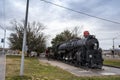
(83, 72)
(2, 66)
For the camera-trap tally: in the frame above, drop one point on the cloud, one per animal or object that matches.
(57, 19)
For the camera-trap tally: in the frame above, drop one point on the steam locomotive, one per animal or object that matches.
(80, 52)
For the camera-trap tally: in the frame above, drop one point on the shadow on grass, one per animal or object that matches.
(19, 78)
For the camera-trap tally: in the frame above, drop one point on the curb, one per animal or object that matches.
(112, 66)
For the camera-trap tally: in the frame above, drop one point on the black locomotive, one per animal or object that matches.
(80, 52)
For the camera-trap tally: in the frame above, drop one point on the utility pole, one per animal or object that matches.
(24, 40)
(113, 47)
(113, 43)
(3, 39)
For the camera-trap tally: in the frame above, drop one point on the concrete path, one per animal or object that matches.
(2, 66)
(83, 72)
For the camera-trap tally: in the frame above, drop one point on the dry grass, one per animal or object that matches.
(112, 62)
(35, 70)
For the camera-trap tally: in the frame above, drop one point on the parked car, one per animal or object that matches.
(33, 54)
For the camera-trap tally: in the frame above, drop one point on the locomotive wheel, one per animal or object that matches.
(76, 64)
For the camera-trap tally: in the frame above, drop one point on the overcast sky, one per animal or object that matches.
(57, 19)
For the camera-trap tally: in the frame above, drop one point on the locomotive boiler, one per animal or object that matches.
(80, 52)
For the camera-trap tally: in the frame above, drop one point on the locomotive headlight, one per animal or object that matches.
(90, 56)
(95, 46)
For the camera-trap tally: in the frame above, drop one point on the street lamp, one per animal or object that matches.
(24, 40)
(4, 38)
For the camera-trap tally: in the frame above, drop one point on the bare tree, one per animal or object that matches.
(77, 31)
(36, 40)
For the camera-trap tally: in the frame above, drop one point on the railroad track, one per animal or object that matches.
(86, 68)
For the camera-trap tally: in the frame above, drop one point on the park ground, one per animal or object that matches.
(36, 70)
(112, 62)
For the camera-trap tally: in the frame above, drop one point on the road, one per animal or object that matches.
(2, 66)
(83, 72)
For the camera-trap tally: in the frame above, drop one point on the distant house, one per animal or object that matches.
(109, 52)
(105, 52)
(1, 49)
(5, 49)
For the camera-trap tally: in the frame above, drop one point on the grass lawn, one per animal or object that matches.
(112, 62)
(35, 70)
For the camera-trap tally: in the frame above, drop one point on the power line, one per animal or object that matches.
(108, 39)
(81, 12)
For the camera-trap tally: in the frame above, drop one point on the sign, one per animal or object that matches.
(2, 40)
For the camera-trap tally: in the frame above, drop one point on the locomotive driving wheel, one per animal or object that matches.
(77, 60)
